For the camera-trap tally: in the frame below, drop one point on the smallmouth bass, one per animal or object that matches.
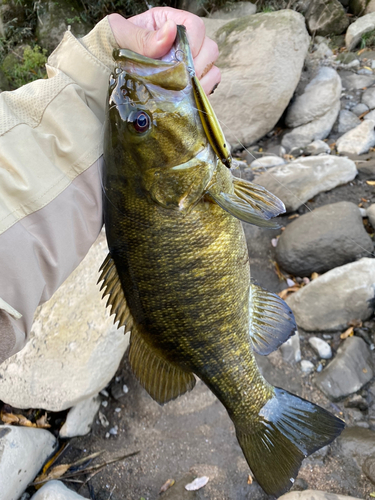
(178, 272)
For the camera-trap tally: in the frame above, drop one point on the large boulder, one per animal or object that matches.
(326, 17)
(74, 349)
(302, 179)
(339, 296)
(328, 237)
(261, 59)
(360, 27)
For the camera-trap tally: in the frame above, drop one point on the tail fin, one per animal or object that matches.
(290, 429)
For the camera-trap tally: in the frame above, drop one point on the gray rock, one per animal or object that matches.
(359, 109)
(358, 140)
(314, 495)
(267, 162)
(346, 121)
(368, 98)
(74, 349)
(371, 214)
(321, 347)
(56, 490)
(213, 25)
(255, 52)
(291, 350)
(326, 17)
(327, 237)
(358, 7)
(23, 451)
(357, 443)
(370, 116)
(80, 418)
(358, 28)
(307, 366)
(350, 370)
(352, 81)
(317, 148)
(368, 466)
(370, 7)
(302, 179)
(341, 295)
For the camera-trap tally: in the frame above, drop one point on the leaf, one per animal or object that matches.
(284, 293)
(249, 479)
(197, 484)
(348, 333)
(314, 276)
(371, 183)
(294, 216)
(167, 485)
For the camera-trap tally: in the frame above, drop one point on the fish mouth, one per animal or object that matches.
(205, 155)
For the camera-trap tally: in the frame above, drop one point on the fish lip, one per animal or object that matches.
(205, 155)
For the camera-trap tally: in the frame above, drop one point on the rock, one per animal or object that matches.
(23, 451)
(371, 214)
(368, 98)
(357, 401)
(341, 295)
(74, 348)
(346, 121)
(307, 366)
(302, 179)
(235, 11)
(359, 109)
(358, 7)
(291, 350)
(314, 112)
(368, 468)
(370, 7)
(352, 81)
(80, 418)
(357, 29)
(56, 490)
(327, 237)
(213, 25)
(358, 140)
(314, 495)
(321, 347)
(370, 116)
(357, 443)
(351, 369)
(317, 148)
(255, 52)
(326, 17)
(322, 52)
(266, 162)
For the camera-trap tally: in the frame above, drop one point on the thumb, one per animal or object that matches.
(149, 43)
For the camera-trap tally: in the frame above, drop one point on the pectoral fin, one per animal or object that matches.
(112, 287)
(271, 320)
(162, 380)
(250, 203)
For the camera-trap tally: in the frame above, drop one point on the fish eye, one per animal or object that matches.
(140, 121)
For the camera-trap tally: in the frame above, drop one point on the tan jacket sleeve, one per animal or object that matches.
(50, 188)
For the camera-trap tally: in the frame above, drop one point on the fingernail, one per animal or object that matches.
(214, 88)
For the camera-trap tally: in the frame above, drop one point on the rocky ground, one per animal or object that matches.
(310, 140)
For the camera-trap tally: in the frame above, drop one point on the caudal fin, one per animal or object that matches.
(290, 429)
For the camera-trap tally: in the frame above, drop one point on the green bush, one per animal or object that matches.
(20, 70)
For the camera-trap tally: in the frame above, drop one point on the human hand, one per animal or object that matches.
(153, 32)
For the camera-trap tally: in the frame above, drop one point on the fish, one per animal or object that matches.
(177, 274)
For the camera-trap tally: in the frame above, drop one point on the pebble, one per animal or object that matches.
(80, 418)
(349, 371)
(114, 430)
(307, 366)
(346, 121)
(355, 31)
(56, 490)
(321, 347)
(331, 301)
(105, 403)
(352, 81)
(368, 468)
(327, 237)
(357, 443)
(357, 401)
(370, 116)
(371, 214)
(302, 179)
(266, 162)
(368, 98)
(103, 419)
(317, 147)
(358, 140)
(359, 109)
(23, 451)
(291, 350)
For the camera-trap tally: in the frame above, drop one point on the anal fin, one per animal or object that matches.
(161, 379)
(271, 320)
(288, 429)
(112, 287)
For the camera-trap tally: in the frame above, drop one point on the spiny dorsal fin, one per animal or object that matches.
(250, 203)
(271, 320)
(162, 380)
(112, 287)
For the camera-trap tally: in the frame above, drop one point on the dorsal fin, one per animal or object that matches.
(250, 203)
(161, 379)
(112, 287)
(271, 320)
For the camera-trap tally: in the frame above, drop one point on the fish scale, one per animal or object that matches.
(178, 272)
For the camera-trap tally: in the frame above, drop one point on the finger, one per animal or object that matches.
(208, 54)
(148, 42)
(211, 80)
